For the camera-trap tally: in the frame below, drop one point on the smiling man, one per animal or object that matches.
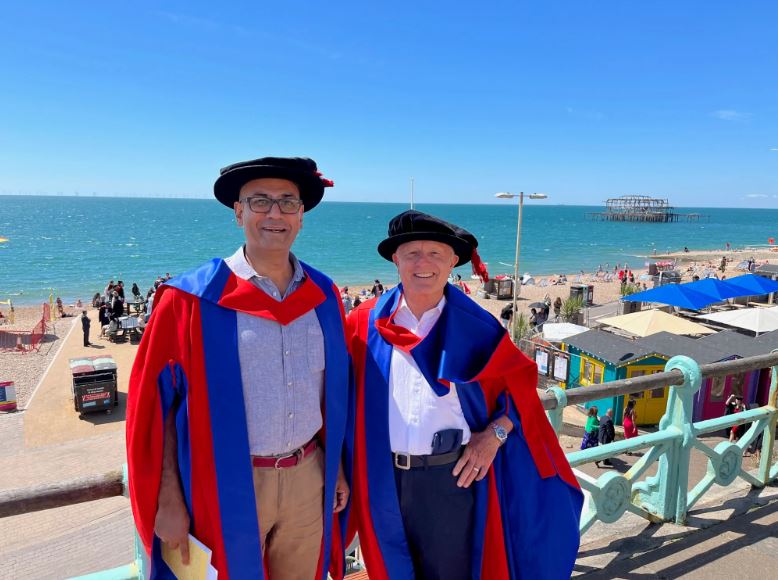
(458, 473)
(237, 409)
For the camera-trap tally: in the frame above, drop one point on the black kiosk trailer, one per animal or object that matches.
(94, 384)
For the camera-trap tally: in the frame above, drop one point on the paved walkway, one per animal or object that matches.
(48, 442)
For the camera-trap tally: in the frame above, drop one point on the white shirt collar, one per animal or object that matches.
(420, 327)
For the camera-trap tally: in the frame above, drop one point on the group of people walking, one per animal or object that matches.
(261, 424)
(599, 430)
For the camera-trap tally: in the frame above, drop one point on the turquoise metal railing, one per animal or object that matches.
(664, 496)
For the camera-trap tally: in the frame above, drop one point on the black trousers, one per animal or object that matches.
(86, 337)
(438, 519)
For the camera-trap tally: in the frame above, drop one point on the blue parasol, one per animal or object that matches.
(674, 295)
(720, 289)
(754, 285)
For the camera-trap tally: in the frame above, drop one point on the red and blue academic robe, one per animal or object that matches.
(527, 508)
(188, 364)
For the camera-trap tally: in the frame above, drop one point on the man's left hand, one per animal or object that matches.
(342, 492)
(477, 458)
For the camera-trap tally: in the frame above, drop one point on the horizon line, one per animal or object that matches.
(416, 202)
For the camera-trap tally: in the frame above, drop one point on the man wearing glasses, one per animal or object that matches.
(237, 410)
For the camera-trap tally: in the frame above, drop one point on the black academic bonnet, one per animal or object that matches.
(299, 170)
(414, 225)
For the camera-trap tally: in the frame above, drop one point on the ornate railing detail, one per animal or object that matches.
(664, 496)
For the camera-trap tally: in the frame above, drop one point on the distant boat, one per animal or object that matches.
(2, 239)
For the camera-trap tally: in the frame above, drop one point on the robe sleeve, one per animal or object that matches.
(154, 384)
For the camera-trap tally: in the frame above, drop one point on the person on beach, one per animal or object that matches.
(458, 473)
(348, 304)
(237, 413)
(85, 324)
(629, 422)
(377, 289)
(506, 315)
(557, 308)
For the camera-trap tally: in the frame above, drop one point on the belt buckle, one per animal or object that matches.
(298, 453)
(407, 457)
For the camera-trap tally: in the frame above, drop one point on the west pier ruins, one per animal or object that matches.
(642, 208)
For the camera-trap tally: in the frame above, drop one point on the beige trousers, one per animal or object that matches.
(290, 511)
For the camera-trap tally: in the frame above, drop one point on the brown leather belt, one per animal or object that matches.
(288, 460)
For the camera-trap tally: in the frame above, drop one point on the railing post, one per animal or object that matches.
(665, 493)
(768, 438)
(555, 415)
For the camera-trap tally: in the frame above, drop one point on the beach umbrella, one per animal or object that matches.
(674, 295)
(720, 289)
(537, 305)
(648, 322)
(755, 285)
(756, 320)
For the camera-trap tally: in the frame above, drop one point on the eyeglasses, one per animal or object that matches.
(265, 204)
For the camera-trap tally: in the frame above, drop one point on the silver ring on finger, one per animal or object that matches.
(476, 469)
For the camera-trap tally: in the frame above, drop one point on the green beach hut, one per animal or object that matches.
(599, 357)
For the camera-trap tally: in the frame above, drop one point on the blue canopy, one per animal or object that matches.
(754, 285)
(716, 288)
(675, 295)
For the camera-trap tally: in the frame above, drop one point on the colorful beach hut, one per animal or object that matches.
(754, 389)
(598, 357)
(709, 400)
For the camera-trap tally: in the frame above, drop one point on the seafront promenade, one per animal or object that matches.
(732, 528)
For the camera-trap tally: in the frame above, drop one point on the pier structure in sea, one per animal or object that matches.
(642, 208)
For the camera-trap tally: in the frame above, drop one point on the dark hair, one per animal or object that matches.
(592, 411)
(630, 403)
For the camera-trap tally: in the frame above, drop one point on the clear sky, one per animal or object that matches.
(583, 100)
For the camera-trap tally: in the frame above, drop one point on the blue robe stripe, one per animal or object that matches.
(336, 401)
(206, 281)
(173, 389)
(384, 503)
(235, 483)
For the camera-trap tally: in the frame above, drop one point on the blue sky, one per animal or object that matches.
(583, 100)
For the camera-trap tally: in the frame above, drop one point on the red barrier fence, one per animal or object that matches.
(26, 341)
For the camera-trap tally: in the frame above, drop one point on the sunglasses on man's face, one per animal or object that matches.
(287, 205)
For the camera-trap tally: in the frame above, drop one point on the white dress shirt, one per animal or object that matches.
(416, 412)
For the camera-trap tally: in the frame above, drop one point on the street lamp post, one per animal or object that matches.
(516, 283)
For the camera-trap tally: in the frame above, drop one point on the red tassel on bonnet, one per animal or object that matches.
(479, 268)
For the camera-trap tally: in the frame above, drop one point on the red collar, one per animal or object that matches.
(241, 295)
(396, 335)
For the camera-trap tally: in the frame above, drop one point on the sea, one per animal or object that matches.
(72, 246)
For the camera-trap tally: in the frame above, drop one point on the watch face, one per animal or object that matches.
(500, 432)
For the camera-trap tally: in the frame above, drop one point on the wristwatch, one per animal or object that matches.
(499, 432)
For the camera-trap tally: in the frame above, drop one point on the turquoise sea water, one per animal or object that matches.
(75, 244)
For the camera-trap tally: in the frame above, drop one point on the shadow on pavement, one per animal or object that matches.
(688, 552)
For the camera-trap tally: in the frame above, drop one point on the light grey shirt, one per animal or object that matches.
(282, 369)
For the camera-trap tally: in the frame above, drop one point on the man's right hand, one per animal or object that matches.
(172, 525)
